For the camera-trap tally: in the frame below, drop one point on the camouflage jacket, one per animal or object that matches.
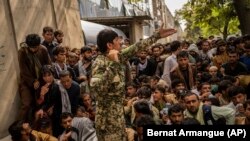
(108, 84)
(108, 76)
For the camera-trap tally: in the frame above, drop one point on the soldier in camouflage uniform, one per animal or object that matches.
(108, 82)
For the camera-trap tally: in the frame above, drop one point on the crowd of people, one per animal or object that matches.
(110, 90)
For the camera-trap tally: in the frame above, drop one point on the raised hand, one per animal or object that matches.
(36, 84)
(113, 55)
(166, 32)
(44, 89)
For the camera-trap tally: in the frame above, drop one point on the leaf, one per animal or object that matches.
(209, 16)
(215, 12)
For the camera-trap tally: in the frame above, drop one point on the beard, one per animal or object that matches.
(193, 110)
(88, 59)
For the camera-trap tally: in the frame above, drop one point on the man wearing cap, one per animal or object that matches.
(31, 56)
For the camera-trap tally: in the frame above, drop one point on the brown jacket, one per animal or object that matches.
(26, 64)
(189, 81)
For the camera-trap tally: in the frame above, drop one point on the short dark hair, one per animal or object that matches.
(144, 79)
(160, 88)
(47, 69)
(145, 120)
(202, 84)
(143, 107)
(205, 76)
(185, 42)
(64, 73)
(47, 29)
(144, 91)
(33, 40)
(220, 42)
(157, 45)
(58, 50)
(205, 41)
(229, 78)
(175, 82)
(15, 130)
(246, 37)
(232, 51)
(235, 90)
(190, 121)
(238, 41)
(175, 45)
(131, 84)
(86, 94)
(85, 48)
(175, 109)
(214, 101)
(182, 54)
(81, 108)
(223, 85)
(105, 36)
(247, 46)
(181, 93)
(65, 115)
(58, 32)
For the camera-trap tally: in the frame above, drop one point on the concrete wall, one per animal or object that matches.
(17, 19)
(136, 31)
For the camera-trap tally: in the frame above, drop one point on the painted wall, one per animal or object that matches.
(17, 19)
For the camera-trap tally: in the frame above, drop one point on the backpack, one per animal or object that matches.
(208, 118)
